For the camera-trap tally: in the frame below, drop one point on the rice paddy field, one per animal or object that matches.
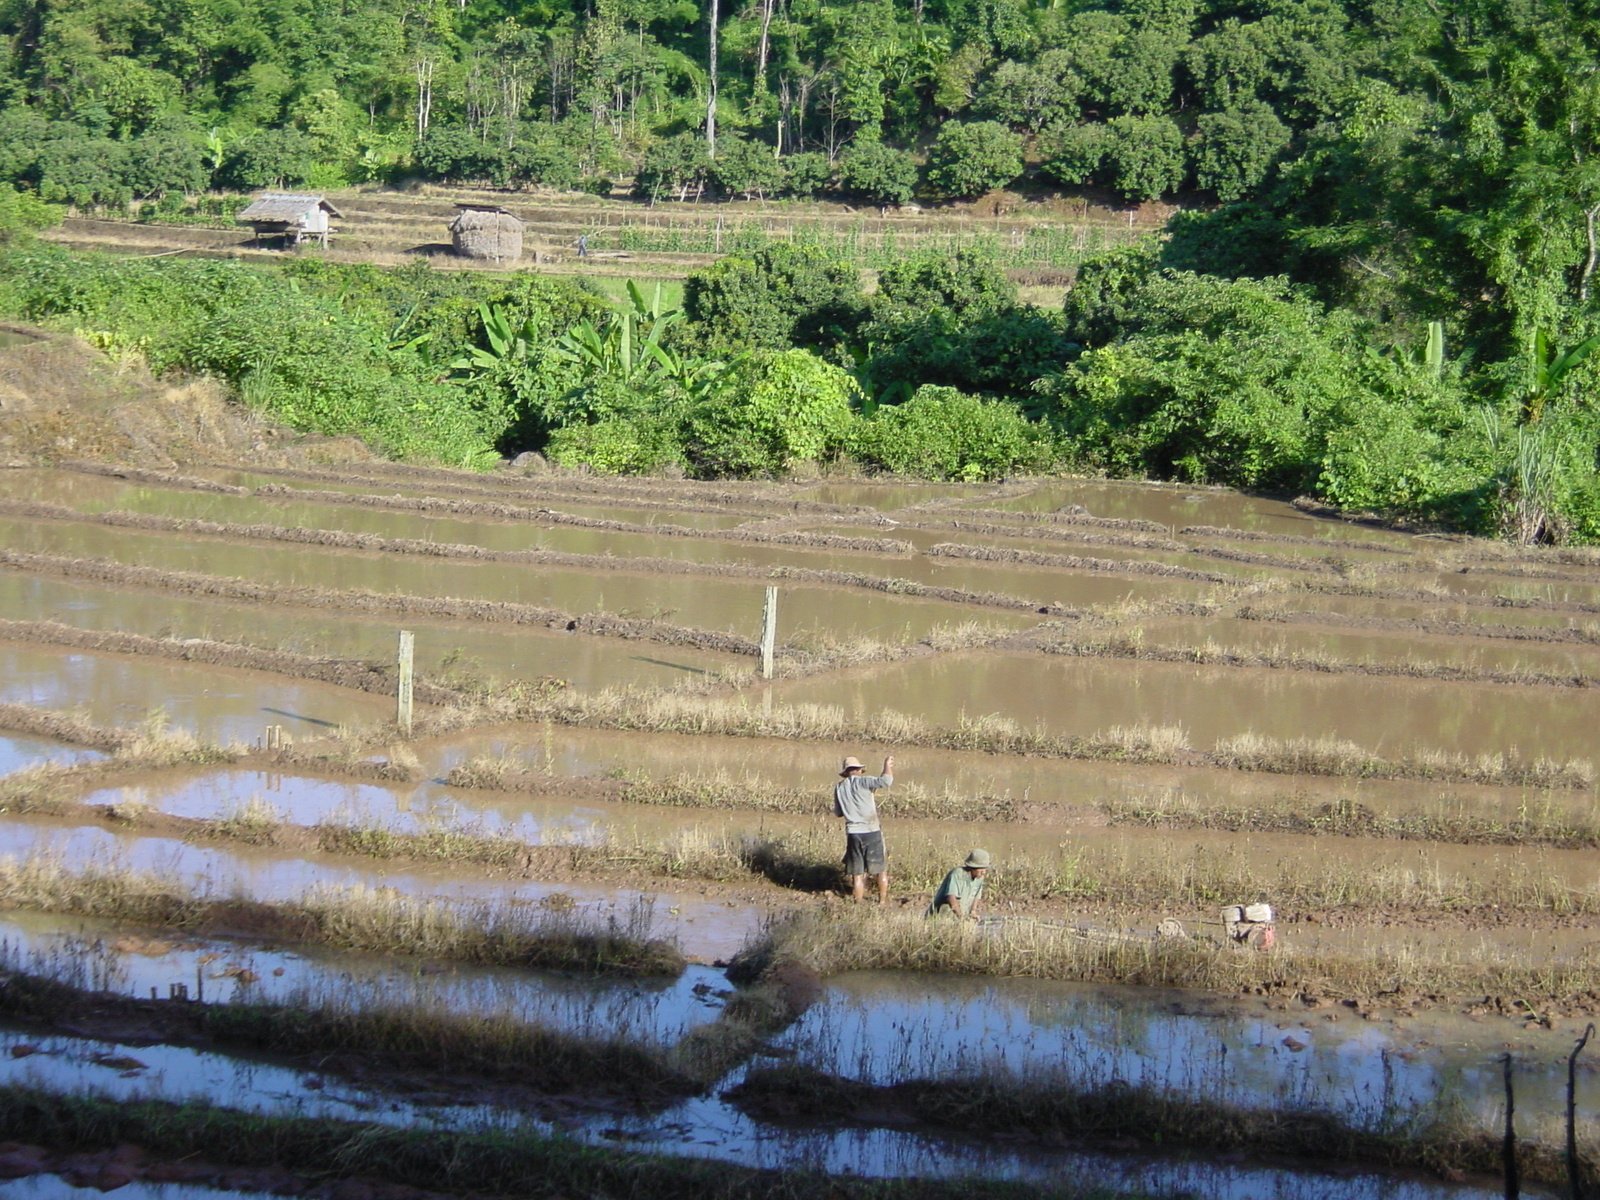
(581, 929)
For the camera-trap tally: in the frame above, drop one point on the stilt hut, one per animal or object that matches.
(294, 218)
(486, 231)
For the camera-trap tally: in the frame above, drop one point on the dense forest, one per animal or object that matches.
(1380, 289)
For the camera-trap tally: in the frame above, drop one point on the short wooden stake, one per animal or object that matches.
(769, 631)
(407, 650)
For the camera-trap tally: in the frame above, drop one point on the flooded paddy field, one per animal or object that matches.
(1430, 919)
(217, 704)
(460, 648)
(727, 604)
(1211, 704)
(93, 494)
(1043, 790)
(1392, 648)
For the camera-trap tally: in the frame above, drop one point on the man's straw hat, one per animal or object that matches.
(851, 763)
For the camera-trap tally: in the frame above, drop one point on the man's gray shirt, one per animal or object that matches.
(853, 800)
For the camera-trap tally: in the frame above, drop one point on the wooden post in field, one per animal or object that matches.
(769, 631)
(407, 648)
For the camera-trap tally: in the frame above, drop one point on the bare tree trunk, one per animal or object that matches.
(711, 87)
(1594, 253)
(761, 50)
(424, 94)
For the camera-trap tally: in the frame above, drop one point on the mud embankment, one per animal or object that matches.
(1074, 562)
(686, 497)
(1467, 630)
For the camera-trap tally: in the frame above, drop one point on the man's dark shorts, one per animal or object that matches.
(864, 854)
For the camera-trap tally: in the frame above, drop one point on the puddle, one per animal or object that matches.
(217, 704)
(706, 603)
(496, 653)
(18, 750)
(706, 927)
(107, 957)
(1082, 696)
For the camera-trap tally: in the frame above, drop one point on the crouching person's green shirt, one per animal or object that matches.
(959, 885)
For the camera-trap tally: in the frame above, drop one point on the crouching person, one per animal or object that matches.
(961, 893)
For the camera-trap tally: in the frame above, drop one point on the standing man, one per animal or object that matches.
(962, 890)
(863, 837)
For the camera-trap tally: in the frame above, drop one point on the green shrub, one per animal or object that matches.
(941, 433)
(970, 158)
(22, 213)
(878, 174)
(779, 296)
(806, 175)
(768, 414)
(618, 447)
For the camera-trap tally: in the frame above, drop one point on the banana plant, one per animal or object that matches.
(626, 344)
(1430, 364)
(1548, 369)
(504, 343)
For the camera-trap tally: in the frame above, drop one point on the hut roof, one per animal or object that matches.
(484, 216)
(285, 206)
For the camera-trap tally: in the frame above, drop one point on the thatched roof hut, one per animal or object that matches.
(486, 231)
(289, 215)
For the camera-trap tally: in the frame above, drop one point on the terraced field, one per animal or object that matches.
(586, 920)
(665, 241)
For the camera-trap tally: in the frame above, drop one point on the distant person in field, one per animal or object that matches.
(961, 893)
(863, 837)
(583, 245)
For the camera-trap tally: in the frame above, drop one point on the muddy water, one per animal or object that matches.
(925, 539)
(107, 957)
(52, 1187)
(707, 928)
(1512, 587)
(1438, 610)
(1387, 648)
(1378, 1075)
(217, 704)
(1060, 791)
(1042, 585)
(888, 497)
(706, 603)
(307, 800)
(701, 1128)
(482, 651)
(1083, 696)
(1203, 506)
(19, 750)
(922, 846)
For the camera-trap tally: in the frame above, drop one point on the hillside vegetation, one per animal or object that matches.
(1379, 290)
